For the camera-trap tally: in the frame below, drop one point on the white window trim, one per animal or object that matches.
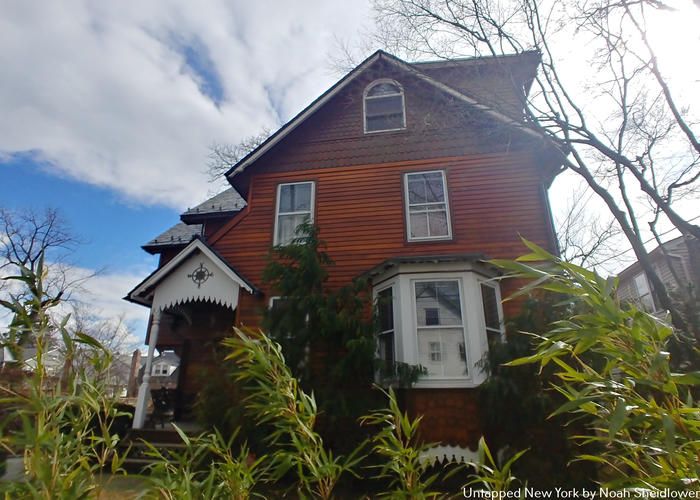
(364, 105)
(311, 211)
(499, 305)
(405, 319)
(407, 207)
(463, 326)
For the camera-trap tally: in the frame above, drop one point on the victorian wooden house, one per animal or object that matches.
(415, 174)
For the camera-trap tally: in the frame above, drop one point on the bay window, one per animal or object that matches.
(440, 316)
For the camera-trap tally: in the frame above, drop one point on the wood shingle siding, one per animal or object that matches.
(494, 199)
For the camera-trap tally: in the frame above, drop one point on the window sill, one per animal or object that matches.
(388, 131)
(430, 240)
(437, 383)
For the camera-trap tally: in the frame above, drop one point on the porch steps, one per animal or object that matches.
(137, 458)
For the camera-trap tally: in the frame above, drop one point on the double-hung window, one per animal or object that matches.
(440, 328)
(295, 203)
(427, 208)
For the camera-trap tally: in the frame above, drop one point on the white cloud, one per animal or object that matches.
(98, 297)
(101, 90)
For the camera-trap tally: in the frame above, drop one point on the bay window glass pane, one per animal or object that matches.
(386, 350)
(490, 302)
(442, 296)
(441, 352)
(385, 308)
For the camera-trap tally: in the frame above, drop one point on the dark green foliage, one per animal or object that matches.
(326, 334)
(206, 469)
(276, 399)
(66, 429)
(314, 317)
(516, 401)
(491, 476)
(613, 369)
(397, 444)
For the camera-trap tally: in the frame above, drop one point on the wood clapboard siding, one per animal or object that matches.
(361, 216)
(437, 126)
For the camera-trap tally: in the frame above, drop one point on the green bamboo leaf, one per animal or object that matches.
(617, 419)
(670, 433)
(692, 378)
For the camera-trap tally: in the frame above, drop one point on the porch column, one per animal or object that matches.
(144, 389)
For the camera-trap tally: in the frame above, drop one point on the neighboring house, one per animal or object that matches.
(675, 262)
(164, 370)
(415, 174)
(52, 360)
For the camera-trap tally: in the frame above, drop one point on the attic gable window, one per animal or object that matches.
(384, 107)
(295, 205)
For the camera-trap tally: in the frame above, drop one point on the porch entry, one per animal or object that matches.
(193, 299)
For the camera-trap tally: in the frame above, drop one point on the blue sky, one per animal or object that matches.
(111, 229)
(109, 114)
(118, 103)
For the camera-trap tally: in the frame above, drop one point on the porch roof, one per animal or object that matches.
(198, 272)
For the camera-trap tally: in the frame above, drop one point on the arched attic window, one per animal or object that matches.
(384, 107)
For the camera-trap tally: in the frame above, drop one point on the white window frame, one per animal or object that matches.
(499, 306)
(407, 207)
(364, 105)
(470, 275)
(312, 204)
(463, 326)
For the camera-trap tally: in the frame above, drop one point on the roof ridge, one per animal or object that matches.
(336, 87)
(477, 59)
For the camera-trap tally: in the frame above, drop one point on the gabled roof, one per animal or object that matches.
(224, 204)
(670, 246)
(178, 235)
(141, 292)
(349, 78)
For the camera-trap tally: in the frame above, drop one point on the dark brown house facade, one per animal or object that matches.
(415, 175)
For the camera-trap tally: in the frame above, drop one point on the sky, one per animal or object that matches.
(108, 110)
